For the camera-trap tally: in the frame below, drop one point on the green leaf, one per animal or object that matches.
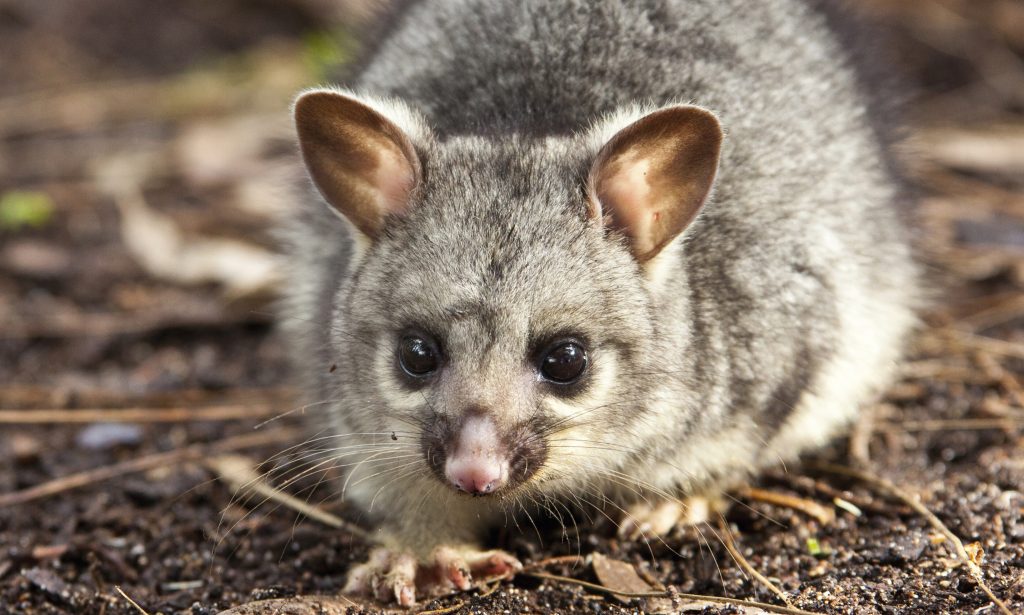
(818, 550)
(24, 208)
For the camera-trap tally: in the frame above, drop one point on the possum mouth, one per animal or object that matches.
(524, 447)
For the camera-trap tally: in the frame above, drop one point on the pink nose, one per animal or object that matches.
(476, 476)
(477, 465)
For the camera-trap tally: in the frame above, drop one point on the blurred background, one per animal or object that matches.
(145, 153)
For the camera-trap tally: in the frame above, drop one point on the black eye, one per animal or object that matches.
(564, 363)
(418, 355)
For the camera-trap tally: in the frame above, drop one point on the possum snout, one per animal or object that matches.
(476, 455)
(479, 463)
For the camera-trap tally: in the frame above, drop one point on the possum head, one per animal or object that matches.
(499, 304)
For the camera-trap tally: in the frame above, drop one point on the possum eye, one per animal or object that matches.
(418, 355)
(564, 362)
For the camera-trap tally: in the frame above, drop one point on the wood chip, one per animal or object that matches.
(49, 551)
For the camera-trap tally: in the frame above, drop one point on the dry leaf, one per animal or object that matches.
(622, 576)
(975, 552)
(161, 248)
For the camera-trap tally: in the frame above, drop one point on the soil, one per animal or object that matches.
(88, 324)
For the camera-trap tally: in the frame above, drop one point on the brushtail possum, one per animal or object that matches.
(585, 251)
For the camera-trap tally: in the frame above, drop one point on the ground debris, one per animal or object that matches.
(618, 575)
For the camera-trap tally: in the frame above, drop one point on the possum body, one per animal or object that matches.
(586, 251)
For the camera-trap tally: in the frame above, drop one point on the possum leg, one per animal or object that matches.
(396, 575)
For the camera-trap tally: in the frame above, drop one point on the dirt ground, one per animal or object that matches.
(143, 146)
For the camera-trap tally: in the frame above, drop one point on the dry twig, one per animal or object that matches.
(942, 370)
(137, 415)
(557, 560)
(115, 324)
(988, 344)
(994, 370)
(771, 608)
(300, 605)
(950, 425)
(810, 508)
(239, 473)
(13, 396)
(727, 540)
(139, 464)
(445, 609)
(130, 601)
(1003, 311)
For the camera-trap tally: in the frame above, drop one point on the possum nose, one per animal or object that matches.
(476, 479)
(477, 465)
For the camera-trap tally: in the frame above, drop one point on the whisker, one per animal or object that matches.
(385, 485)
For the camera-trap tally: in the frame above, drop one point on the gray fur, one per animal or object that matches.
(776, 315)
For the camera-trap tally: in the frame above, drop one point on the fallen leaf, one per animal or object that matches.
(21, 208)
(622, 576)
(975, 552)
(165, 252)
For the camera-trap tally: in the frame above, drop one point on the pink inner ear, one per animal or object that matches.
(651, 179)
(364, 165)
(394, 178)
(627, 194)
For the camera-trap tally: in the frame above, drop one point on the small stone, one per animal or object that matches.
(1009, 500)
(104, 436)
(36, 259)
(23, 447)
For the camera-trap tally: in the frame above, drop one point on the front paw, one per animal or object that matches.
(396, 575)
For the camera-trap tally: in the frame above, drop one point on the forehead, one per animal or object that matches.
(499, 237)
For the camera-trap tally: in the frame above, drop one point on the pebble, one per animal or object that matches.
(24, 448)
(104, 436)
(36, 259)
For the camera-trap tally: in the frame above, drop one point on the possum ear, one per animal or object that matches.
(360, 154)
(650, 179)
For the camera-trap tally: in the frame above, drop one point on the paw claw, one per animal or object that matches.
(501, 564)
(401, 578)
(452, 568)
(392, 576)
(405, 596)
(461, 578)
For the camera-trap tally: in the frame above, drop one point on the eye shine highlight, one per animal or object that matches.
(564, 363)
(418, 355)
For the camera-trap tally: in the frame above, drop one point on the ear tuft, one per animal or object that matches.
(651, 178)
(363, 163)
